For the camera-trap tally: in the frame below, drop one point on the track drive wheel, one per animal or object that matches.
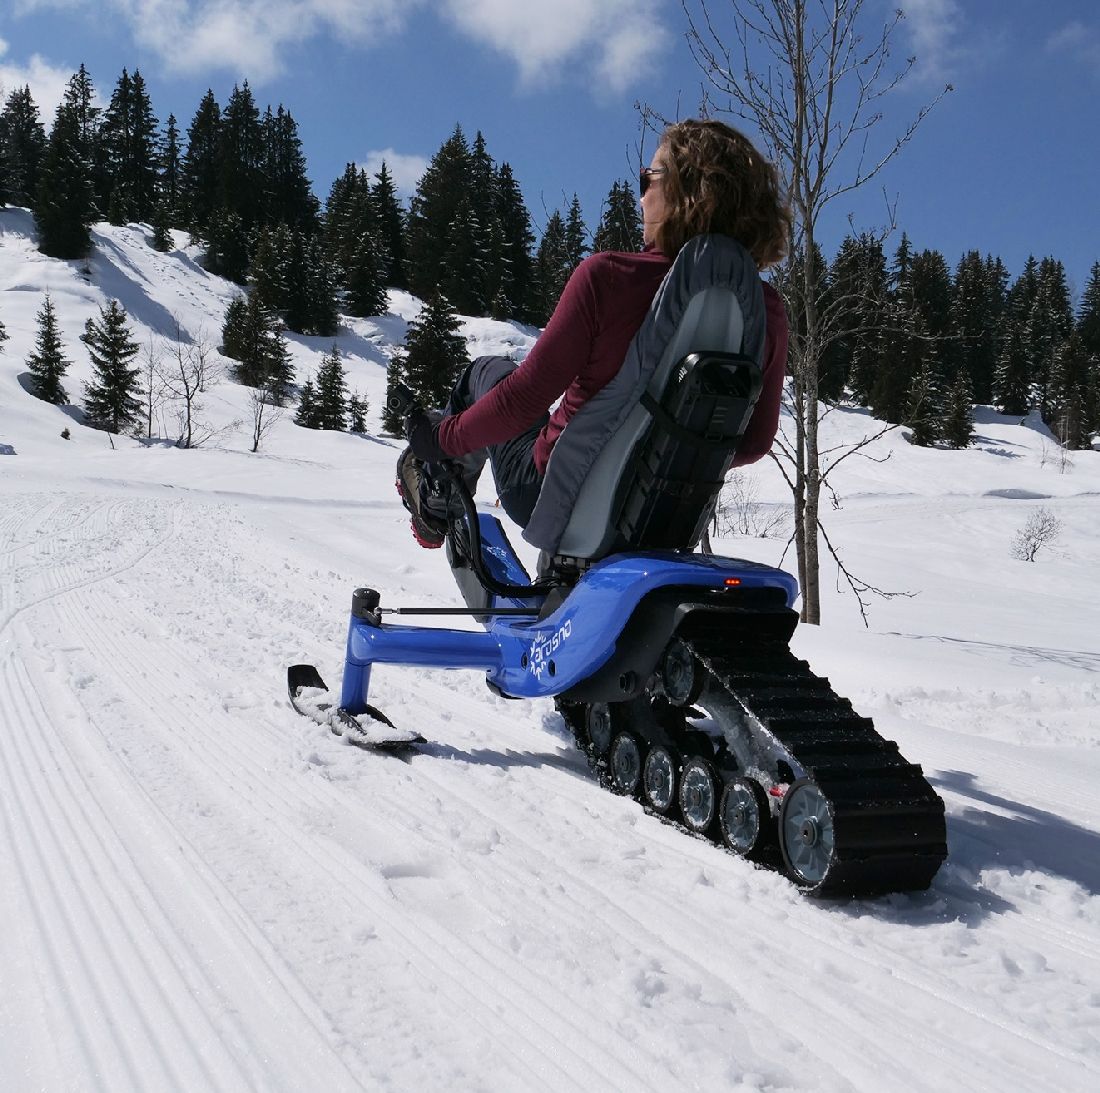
(744, 817)
(597, 722)
(659, 779)
(625, 761)
(806, 834)
(698, 795)
(681, 676)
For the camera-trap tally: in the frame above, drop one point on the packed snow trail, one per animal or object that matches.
(212, 893)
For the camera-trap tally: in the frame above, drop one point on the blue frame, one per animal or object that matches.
(526, 657)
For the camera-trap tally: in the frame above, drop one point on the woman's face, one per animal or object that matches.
(653, 200)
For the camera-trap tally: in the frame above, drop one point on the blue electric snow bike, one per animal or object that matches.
(671, 668)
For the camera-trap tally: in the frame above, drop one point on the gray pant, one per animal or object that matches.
(518, 482)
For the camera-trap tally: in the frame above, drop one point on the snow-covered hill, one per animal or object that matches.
(203, 891)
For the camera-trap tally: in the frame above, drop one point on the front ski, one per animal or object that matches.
(311, 698)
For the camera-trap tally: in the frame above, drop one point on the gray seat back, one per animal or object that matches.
(711, 301)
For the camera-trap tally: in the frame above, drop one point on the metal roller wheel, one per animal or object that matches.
(659, 779)
(597, 722)
(625, 761)
(743, 817)
(681, 677)
(698, 795)
(806, 833)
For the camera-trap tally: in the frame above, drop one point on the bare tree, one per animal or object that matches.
(1042, 527)
(265, 413)
(151, 361)
(188, 371)
(801, 72)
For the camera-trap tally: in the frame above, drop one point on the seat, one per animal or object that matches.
(640, 465)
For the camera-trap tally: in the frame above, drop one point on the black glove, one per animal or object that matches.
(422, 434)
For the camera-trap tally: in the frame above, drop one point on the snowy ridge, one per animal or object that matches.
(205, 891)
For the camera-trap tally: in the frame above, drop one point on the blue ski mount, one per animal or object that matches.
(543, 653)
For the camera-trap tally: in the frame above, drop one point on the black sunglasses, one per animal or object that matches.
(646, 174)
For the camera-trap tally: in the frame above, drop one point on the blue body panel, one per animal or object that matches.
(530, 658)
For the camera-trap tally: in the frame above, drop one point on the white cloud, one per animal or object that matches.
(933, 26)
(1078, 40)
(46, 81)
(615, 38)
(405, 169)
(608, 42)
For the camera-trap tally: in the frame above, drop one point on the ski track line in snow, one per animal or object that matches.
(106, 633)
(104, 961)
(268, 1078)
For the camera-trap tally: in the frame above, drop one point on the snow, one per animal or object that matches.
(203, 890)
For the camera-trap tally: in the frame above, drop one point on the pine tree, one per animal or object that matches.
(1012, 378)
(332, 393)
(169, 178)
(64, 206)
(933, 291)
(552, 270)
(857, 294)
(1069, 396)
(111, 400)
(22, 147)
(241, 158)
(48, 363)
(227, 246)
(365, 278)
(1051, 322)
(393, 423)
(515, 278)
(922, 412)
(464, 270)
(199, 172)
(1088, 314)
(3, 336)
(435, 352)
(390, 221)
(904, 351)
(357, 413)
(957, 430)
(977, 320)
(306, 414)
(162, 233)
(621, 224)
(128, 144)
(439, 193)
(252, 335)
(288, 198)
(576, 234)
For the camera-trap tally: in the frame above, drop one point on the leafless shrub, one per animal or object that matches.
(1041, 529)
(739, 512)
(265, 413)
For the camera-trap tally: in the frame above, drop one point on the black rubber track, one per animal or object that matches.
(888, 822)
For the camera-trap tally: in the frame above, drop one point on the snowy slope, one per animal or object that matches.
(204, 891)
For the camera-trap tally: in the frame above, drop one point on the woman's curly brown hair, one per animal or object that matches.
(718, 182)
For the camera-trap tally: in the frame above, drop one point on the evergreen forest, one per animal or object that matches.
(914, 338)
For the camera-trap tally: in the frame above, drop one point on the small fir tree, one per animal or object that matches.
(621, 224)
(253, 337)
(393, 424)
(922, 409)
(306, 414)
(332, 393)
(357, 413)
(958, 422)
(112, 400)
(435, 352)
(3, 337)
(552, 269)
(47, 363)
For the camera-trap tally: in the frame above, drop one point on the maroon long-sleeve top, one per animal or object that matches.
(582, 348)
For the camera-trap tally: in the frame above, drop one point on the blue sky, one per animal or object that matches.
(1008, 163)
